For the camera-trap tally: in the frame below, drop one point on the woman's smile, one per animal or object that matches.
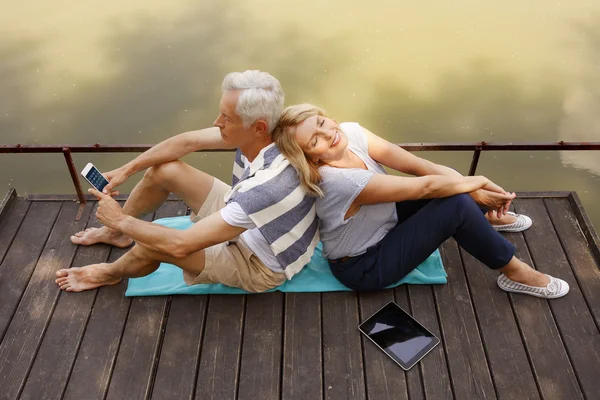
(336, 139)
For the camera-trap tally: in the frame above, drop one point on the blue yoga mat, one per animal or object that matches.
(314, 277)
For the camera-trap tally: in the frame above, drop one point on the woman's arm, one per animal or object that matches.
(395, 157)
(388, 188)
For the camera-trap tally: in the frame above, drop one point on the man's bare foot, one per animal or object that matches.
(101, 235)
(85, 278)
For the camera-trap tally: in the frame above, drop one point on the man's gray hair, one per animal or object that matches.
(261, 97)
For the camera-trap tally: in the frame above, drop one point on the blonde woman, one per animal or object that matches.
(375, 227)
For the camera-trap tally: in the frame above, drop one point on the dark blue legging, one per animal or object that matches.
(423, 225)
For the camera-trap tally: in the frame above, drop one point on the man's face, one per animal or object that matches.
(230, 124)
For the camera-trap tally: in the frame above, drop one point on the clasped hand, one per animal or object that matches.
(494, 198)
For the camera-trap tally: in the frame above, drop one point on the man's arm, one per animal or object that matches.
(176, 243)
(170, 149)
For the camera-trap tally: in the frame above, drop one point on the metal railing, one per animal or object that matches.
(476, 148)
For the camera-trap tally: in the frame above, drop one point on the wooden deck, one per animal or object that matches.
(100, 344)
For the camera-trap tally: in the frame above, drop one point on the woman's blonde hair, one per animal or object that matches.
(284, 137)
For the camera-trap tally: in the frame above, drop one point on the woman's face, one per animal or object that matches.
(321, 139)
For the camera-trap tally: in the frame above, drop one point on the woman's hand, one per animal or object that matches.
(495, 201)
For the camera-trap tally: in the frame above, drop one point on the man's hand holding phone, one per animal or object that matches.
(104, 183)
(115, 178)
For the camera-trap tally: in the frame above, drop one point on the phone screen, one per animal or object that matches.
(96, 179)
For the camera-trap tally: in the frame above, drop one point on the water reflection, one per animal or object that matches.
(136, 72)
(581, 106)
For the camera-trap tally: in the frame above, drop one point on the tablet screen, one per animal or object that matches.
(399, 335)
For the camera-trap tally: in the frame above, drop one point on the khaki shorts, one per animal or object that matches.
(232, 263)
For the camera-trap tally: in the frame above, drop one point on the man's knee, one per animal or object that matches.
(165, 171)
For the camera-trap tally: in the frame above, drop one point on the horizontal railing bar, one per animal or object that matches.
(483, 146)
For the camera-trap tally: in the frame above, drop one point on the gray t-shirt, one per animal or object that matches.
(353, 236)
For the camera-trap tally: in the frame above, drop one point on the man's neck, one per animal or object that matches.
(251, 150)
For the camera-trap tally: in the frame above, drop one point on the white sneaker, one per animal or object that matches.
(522, 223)
(555, 289)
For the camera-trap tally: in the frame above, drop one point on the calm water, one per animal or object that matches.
(140, 71)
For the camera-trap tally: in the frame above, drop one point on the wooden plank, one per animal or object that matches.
(509, 365)
(95, 360)
(467, 361)
(221, 348)
(384, 378)
(302, 349)
(414, 376)
(578, 330)
(11, 224)
(176, 373)
(31, 318)
(586, 225)
(7, 202)
(88, 197)
(537, 195)
(180, 350)
(260, 370)
(21, 258)
(342, 356)
(585, 267)
(543, 344)
(140, 345)
(434, 367)
(55, 358)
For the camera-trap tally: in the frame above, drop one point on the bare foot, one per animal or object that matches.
(101, 235)
(503, 220)
(85, 278)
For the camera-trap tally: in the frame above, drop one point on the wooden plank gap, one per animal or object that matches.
(324, 389)
(586, 225)
(442, 338)
(481, 336)
(20, 218)
(201, 345)
(241, 347)
(116, 356)
(420, 366)
(80, 341)
(158, 350)
(527, 352)
(281, 360)
(28, 278)
(552, 311)
(570, 261)
(362, 345)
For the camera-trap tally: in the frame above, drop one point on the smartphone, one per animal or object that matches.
(94, 177)
(399, 335)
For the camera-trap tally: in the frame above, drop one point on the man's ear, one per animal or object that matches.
(261, 128)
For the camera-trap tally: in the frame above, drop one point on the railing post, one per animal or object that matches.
(474, 161)
(67, 153)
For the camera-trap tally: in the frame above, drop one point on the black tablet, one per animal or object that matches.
(399, 335)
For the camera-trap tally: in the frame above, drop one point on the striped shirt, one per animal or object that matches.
(269, 191)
